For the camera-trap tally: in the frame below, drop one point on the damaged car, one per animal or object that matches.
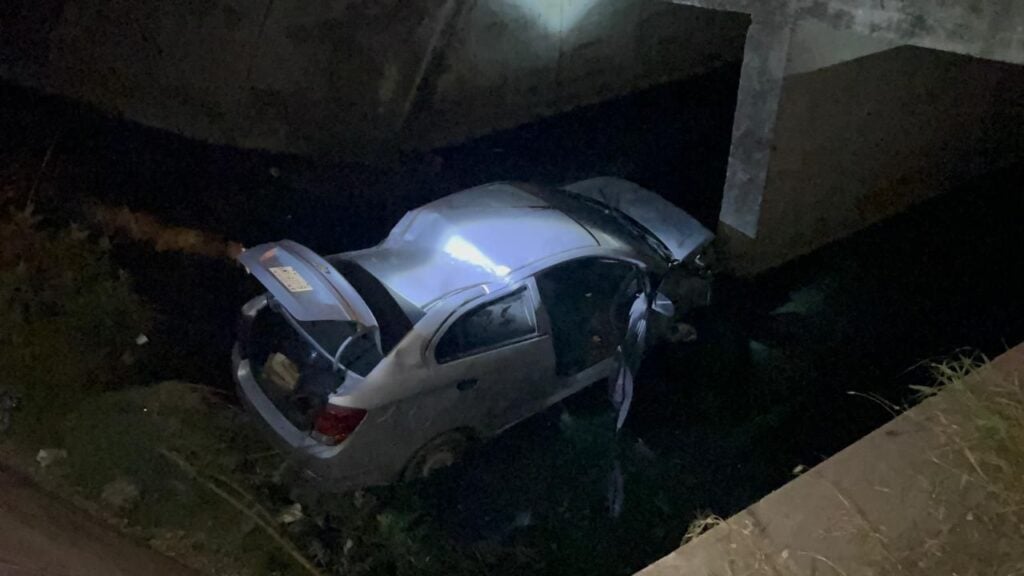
(477, 311)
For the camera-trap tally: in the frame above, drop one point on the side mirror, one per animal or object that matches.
(662, 305)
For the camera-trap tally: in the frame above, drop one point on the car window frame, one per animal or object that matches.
(639, 269)
(532, 300)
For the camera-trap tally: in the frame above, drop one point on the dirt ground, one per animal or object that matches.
(42, 535)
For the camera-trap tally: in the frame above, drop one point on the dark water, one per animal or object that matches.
(715, 425)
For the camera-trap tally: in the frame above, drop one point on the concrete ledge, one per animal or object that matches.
(909, 498)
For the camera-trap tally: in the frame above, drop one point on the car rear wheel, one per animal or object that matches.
(436, 455)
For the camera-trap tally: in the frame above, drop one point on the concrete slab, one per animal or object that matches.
(909, 498)
(792, 38)
(985, 29)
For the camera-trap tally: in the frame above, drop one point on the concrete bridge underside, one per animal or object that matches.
(847, 111)
(850, 110)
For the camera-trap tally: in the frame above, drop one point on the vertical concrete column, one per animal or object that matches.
(757, 105)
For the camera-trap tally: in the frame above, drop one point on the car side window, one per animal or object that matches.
(589, 286)
(502, 321)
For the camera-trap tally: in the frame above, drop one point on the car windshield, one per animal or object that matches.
(636, 229)
(594, 213)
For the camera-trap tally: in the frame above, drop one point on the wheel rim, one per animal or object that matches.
(437, 461)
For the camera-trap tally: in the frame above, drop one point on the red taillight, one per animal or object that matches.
(335, 423)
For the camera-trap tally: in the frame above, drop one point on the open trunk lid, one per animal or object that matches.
(311, 337)
(306, 285)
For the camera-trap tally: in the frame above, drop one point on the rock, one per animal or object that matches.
(121, 494)
(290, 514)
(47, 456)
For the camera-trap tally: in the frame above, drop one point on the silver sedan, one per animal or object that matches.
(477, 311)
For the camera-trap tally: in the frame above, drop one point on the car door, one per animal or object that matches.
(497, 359)
(587, 303)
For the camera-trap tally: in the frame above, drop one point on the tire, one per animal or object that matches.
(436, 455)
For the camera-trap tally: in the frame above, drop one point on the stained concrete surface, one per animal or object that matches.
(792, 38)
(354, 79)
(42, 535)
(891, 503)
(512, 61)
(983, 28)
(860, 141)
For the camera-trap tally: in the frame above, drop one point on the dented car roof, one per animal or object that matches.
(474, 237)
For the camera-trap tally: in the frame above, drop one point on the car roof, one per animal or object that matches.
(471, 238)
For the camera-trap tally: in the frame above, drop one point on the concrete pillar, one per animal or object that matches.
(757, 104)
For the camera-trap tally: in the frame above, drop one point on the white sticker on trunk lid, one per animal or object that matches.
(290, 279)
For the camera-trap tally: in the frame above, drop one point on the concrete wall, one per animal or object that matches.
(353, 77)
(515, 59)
(819, 152)
(992, 29)
(296, 76)
(863, 140)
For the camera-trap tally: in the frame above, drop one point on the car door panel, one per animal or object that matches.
(490, 389)
(497, 388)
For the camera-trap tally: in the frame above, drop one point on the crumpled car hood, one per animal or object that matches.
(681, 233)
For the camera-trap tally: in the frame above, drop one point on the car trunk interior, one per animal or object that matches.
(293, 372)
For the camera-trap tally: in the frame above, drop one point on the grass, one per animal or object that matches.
(980, 420)
(126, 434)
(990, 439)
(702, 523)
(247, 505)
(212, 492)
(69, 315)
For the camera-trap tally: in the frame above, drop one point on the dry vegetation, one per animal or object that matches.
(163, 238)
(980, 420)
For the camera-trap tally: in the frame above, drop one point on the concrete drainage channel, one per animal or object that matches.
(932, 491)
(715, 425)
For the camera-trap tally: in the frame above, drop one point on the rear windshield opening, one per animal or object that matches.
(394, 319)
(272, 331)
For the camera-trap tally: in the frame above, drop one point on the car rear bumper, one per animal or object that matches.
(333, 464)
